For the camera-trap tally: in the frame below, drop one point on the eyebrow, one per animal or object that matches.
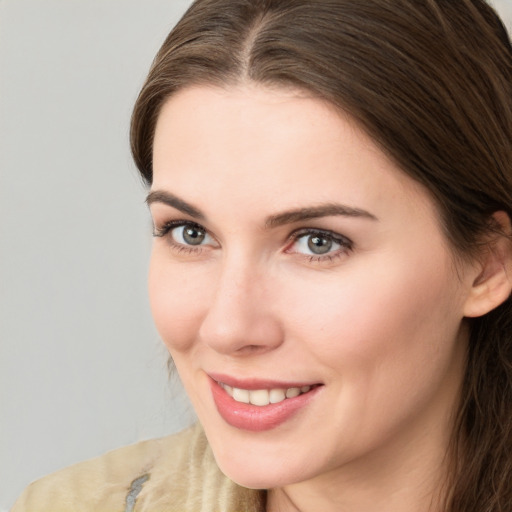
(159, 196)
(288, 217)
(315, 212)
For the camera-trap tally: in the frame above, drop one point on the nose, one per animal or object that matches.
(240, 319)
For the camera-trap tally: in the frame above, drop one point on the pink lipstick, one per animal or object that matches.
(273, 402)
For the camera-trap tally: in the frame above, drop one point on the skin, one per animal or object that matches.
(380, 323)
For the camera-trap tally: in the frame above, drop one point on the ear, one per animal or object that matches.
(493, 283)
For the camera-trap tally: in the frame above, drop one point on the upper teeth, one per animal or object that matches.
(263, 397)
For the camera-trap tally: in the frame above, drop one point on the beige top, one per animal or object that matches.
(174, 474)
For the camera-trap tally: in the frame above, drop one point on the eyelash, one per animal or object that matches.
(165, 229)
(160, 232)
(346, 245)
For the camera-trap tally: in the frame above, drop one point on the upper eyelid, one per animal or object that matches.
(177, 223)
(166, 226)
(325, 232)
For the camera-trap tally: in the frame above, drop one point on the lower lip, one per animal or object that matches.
(258, 418)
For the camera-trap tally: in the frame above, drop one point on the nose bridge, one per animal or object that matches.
(239, 316)
(235, 277)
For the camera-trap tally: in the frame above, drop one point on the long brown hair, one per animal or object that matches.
(431, 82)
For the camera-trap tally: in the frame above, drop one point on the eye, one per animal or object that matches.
(190, 234)
(185, 234)
(319, 244)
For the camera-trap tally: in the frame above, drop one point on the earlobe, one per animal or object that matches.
(493, 283)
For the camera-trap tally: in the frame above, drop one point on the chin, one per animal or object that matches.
(263, 469)
(258, 475)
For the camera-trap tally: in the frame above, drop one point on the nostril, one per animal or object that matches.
(252, 349)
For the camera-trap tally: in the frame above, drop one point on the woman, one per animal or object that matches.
(330, 188)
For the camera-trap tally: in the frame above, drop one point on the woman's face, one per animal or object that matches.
(292, 256)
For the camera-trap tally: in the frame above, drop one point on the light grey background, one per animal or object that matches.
(81, 368)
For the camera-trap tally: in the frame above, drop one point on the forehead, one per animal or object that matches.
(278, 147)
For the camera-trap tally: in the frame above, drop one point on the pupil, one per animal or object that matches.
(193, 236)
(319, 245)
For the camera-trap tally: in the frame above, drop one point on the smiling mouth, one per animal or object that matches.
(263, 397)
(259, 405)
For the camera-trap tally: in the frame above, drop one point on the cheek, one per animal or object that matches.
(392, 311)
(387, 340)
(179, 297)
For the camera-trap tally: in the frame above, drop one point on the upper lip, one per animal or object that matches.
(256, 383)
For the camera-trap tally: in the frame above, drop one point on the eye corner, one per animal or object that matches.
(331, 246)
(183, 235)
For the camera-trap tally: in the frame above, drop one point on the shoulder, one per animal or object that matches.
(174, 473)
